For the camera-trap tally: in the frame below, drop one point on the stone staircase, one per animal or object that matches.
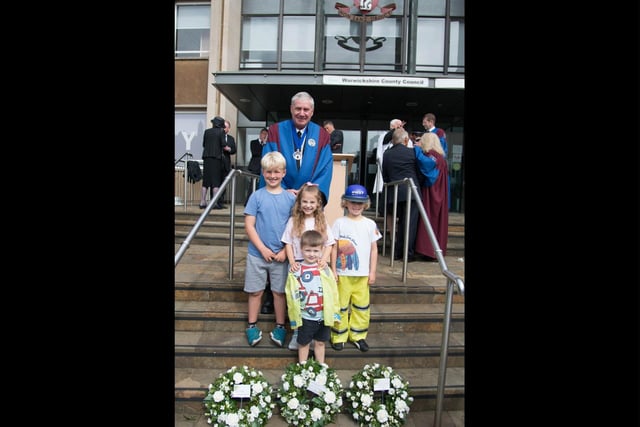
(405, 331)
(215, 230)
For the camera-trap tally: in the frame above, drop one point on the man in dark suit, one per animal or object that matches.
(399, 162)
(256, 155)
(337, 137)
(228, 149)
(213, 163)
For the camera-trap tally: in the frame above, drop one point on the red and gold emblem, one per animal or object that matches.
(364, 7)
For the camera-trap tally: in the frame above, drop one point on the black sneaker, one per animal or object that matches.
(361, 345)
(337, 346)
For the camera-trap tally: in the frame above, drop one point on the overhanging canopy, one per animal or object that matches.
(265, 97)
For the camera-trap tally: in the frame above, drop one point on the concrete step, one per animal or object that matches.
(232, 291)
(215, 229)
(212, 264)
(220, 224)
(455, 244)
(221, 349)
(231, 316)
(456, 219)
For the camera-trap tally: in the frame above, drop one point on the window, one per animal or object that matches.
(430, 52)
(281, 35)
(192, 31)
(384, 45)
(456, 47)
(298, 41)
(259, 42)
(278, 34)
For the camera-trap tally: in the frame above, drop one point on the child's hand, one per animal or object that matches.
(267, 254)
(295, 266)
(280, 256)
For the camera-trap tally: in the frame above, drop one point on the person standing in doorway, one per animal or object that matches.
(256, 146)
(337, 137)
(429, 123)
(213, 162)
(430, 157)
(400, 163)
(384, 143)
(229, 148)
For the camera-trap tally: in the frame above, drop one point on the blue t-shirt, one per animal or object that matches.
(272, 212)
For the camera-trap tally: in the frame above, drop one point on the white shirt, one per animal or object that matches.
(294, 241)
(378, 183)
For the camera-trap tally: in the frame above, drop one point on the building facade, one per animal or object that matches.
(365, 62)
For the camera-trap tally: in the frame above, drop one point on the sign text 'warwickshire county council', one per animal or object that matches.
(376, 81)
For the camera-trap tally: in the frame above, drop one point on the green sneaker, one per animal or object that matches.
(254, 335)
(278, 335)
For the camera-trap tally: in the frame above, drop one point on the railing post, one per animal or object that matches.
(407, 221)
(232, 228)
(444, 349)
(187, 156)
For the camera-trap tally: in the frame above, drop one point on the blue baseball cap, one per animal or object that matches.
(356, 193)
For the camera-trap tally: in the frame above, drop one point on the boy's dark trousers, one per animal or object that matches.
(267, 304)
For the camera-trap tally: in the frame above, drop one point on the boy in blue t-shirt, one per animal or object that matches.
(266, 215)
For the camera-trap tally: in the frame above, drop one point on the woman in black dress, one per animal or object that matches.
(213, 163)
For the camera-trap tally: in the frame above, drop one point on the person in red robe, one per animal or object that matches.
(435, 194)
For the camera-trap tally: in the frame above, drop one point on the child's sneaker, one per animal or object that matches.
(293, 344)
(254, 335)
(278, 335)
(361, 345)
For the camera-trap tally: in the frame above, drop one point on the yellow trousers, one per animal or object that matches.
(353, 293)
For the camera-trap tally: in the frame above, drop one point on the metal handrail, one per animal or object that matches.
(184, 173)
(231, 177)
(182, 157)
(452, 278)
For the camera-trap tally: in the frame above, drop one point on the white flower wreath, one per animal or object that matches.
(310, 394)
(240, 397)
(386, 405)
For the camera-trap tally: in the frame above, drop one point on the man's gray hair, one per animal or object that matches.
(302, 95)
